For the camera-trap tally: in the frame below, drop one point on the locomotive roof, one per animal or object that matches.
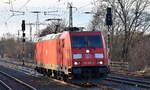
(50, 37)
(56, 36)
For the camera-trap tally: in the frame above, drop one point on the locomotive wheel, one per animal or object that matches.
(65, 78)
(62, 76)
(58, 77)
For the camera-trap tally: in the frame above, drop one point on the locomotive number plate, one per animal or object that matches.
(88, 56)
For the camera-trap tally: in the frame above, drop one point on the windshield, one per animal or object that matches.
(86, 41)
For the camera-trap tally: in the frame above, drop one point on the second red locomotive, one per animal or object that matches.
(72, 54)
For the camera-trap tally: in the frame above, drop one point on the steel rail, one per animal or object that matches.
(129, 81)
(5, 85)
(19, 81)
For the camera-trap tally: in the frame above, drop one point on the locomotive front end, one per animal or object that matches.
(89, 55)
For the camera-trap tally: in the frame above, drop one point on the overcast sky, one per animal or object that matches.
(12, 24)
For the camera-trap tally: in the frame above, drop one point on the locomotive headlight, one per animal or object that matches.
(99, 55)
(87, 51)
(76, 63)
(77, 56)
(100, 62)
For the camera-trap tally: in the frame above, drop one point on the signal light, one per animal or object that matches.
(23, 34)
(23, 40)
(108, 10)
(109, 17)
(23, 25)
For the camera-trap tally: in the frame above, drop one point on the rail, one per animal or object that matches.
(5, 85)
(19, 81)
(129, 81)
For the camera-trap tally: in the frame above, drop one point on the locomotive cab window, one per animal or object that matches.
(86, 41)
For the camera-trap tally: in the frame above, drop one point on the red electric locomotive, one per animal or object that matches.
(72, 54)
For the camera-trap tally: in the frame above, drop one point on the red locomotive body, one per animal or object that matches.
(72, 54)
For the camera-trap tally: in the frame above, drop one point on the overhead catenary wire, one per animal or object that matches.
(80, 11)
(24, 5)
(65, 12)
(11, 5)
(62, 11)
(14, 13)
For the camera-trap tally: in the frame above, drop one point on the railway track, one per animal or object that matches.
(129, 81)
(82, 84)
(111, 78)
(12, 83)
(4, 86)
(74, 84)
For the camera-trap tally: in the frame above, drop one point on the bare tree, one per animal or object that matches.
(12, 48)
(54, 27)
(130, 17)
(139, 54)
